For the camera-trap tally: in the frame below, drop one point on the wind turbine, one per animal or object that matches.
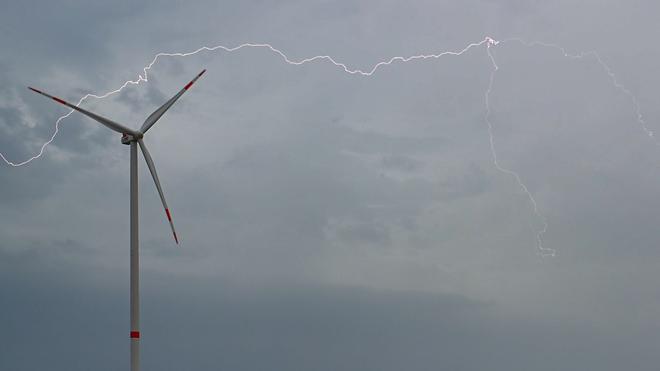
(133, 138)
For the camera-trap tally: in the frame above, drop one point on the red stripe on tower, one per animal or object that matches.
(135, 334)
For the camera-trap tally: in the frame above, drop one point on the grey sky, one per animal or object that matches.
(331, 221)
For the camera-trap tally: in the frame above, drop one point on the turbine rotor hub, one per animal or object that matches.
(130, 138)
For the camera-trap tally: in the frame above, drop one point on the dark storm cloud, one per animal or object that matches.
(149, 99)
(11, 117)
(296, 327)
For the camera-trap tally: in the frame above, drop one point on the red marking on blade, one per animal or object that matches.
(188, 86)
(135, 334)
(58, 100)
(169, 217)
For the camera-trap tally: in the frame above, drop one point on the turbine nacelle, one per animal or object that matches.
(129, 138)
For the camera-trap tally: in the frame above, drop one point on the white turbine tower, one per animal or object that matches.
(133, 138)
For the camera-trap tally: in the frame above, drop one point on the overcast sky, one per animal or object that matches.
(330, 221)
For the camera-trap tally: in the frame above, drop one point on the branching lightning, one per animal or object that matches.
(613, 78)
(488, 42)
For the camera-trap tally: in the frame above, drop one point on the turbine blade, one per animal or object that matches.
(104, 121)
(152, 169)
(151, 120)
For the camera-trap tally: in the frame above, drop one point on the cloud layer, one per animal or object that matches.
(331, 221)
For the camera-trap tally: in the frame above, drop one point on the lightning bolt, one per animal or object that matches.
(488, 42)
(145, 78)
(608, 71)
(543, 251)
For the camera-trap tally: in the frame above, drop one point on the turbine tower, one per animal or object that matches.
(133, 138)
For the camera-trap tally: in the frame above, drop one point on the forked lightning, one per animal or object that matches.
(488, 42)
